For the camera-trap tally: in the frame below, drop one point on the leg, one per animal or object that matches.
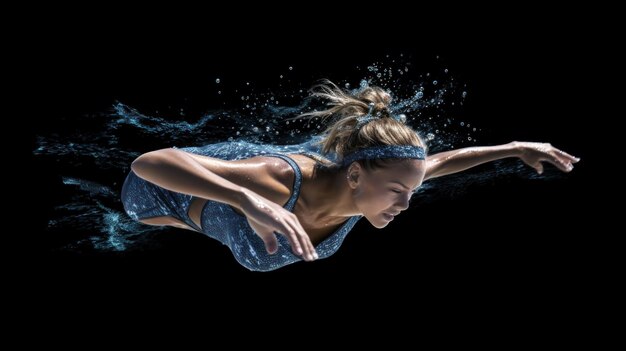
(166, 220)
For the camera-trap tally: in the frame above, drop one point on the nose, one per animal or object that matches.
(403, 204)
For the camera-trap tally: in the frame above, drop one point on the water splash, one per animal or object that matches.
(93, 153)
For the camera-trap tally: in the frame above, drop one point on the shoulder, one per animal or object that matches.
(269, 176)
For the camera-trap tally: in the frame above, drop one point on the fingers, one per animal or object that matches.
(539, 167)
(271, 245)
(570, 158)
(563, 165)
(299, 240)
(304, 239)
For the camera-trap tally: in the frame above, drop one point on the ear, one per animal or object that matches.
(353, 174)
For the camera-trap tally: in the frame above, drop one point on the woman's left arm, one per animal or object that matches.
(532, 154)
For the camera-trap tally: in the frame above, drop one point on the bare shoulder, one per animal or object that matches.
(270, 177)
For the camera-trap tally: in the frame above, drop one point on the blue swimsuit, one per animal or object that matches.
(143, 200)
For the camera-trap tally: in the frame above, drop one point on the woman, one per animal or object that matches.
(367, 163)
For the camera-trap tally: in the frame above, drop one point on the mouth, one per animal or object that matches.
(388, 217)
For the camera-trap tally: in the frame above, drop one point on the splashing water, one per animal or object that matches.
(107, 142)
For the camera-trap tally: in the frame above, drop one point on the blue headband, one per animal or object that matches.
(387, 151)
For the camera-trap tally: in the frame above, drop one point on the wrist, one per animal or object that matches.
(515, 148)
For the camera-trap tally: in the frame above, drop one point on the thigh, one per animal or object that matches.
(166, 220)
(195, 210)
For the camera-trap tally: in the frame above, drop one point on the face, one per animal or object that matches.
(383, 193)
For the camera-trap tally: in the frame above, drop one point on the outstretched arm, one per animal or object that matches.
(532, 154)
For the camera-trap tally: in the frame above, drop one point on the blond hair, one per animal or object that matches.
(345, 135)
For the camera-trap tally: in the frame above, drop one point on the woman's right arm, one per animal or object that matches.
(179, 171)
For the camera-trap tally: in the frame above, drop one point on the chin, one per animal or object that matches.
(378, 224)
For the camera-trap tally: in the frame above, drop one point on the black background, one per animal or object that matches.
(502, 240)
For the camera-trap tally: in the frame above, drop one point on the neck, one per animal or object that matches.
(330, 197)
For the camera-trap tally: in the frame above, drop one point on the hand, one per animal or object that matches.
(534, 153)
(267, 217)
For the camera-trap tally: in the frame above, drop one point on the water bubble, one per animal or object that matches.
(419, 95)
(378, 75)
(464, 94)
(469, 138)
(435, 82)
(217, 81)
(247, 83)
(430, 136)
(462, 124)
(237, 133)
(243, 98)
(281, 76)
(219, 91)
(445, 70)
(347, 85)
(290, 68)
(255, 129)
(474, 129)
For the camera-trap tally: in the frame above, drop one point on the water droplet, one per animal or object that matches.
(247, 83)
(281, 76)
(290, 68)
(430, 136)
(238, 133)
(219, 91)
(469, 138)
(445, 70)
(255, 129)
(435, 82)
(474, 129)
(217, 81)
(347, 85)
(378, 75)
(419, 95)
(464, 94)
(462, 124)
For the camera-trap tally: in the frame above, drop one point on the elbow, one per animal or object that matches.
(147, 163)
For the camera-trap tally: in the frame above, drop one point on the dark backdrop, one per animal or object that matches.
(509, 235)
